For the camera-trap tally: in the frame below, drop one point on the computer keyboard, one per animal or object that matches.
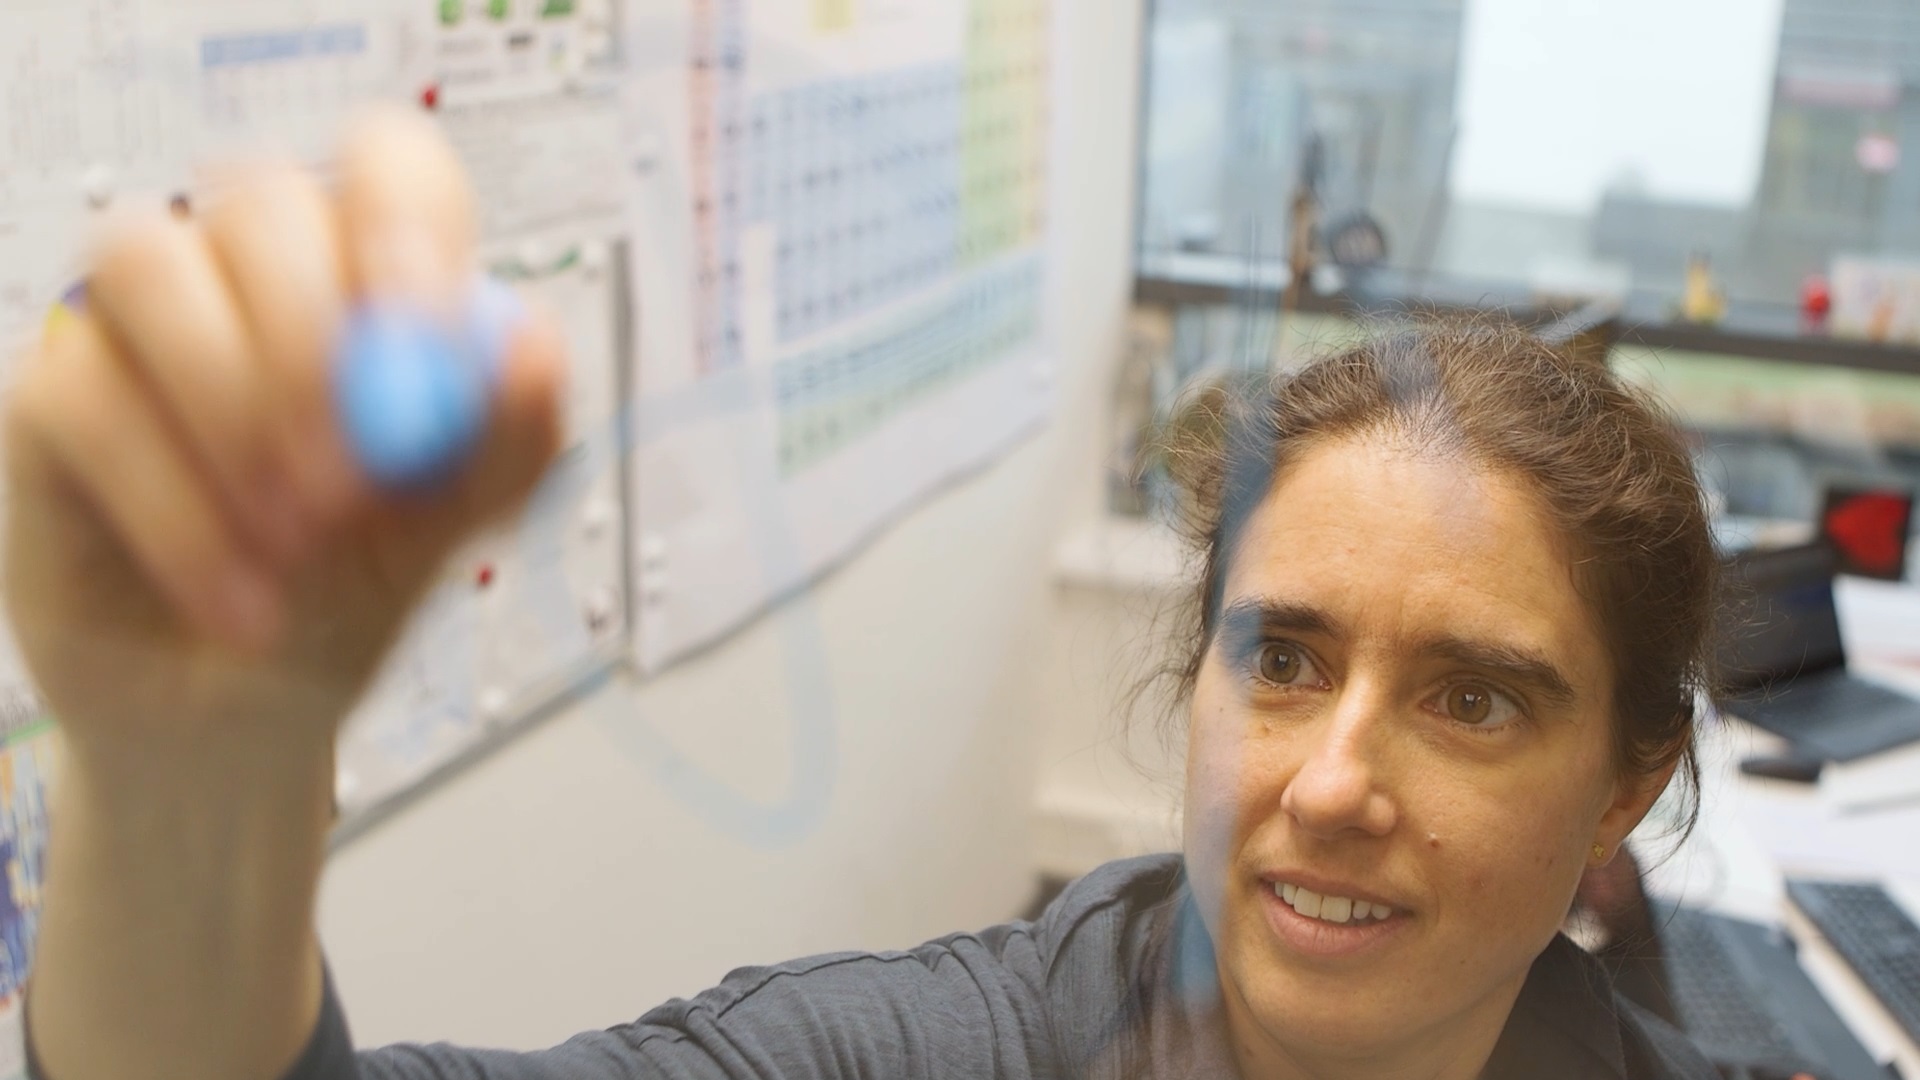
(1721, 999)
(1739, 993)
(1876, 938)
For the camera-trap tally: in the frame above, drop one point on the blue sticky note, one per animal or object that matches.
(414, 395)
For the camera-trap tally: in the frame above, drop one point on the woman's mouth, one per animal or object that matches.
(1328, 926)
(1338, 910)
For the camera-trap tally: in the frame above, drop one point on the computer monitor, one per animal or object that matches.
(1868, 528)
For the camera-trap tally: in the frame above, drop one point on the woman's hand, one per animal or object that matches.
(191, 549)
(202, 583)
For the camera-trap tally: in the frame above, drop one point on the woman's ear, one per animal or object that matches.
(1633, 795)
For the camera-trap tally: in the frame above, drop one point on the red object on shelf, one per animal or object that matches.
(1816, 297)
(1870, 530)
(485, 576)
(430, 97)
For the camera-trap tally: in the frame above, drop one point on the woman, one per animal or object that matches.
(1450, 626)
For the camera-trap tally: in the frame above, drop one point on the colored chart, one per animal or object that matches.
(875, 186)
(864, 204)
(832, 396)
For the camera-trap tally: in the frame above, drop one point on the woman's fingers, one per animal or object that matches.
(95, 422)
(160, 299)
(406, 213)
(523, 431)
(192, 408)
(278, 238)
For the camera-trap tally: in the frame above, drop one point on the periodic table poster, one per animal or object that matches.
(839, 281)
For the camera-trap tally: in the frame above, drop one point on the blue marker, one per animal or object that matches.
(413, 397)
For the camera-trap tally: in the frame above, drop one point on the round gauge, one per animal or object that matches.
(1357, 242)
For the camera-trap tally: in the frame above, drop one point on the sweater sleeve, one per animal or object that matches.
(962, 1006)
(979, 1005)
(982, 1005)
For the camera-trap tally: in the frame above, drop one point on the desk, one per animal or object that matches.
(1115, 579)
(1753, 833)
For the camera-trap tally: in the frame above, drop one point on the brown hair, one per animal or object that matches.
(1606, 461)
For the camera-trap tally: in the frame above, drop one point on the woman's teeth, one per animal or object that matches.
(1333, 909)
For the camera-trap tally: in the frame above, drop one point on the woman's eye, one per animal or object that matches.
(1478, 706)
(1281, 664)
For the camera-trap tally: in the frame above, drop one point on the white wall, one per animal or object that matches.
(556, 888)
(1112, 766)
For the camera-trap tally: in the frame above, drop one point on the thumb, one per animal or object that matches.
(524, 429)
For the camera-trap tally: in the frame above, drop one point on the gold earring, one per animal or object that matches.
(1599, 851)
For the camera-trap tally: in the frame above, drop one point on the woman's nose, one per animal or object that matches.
(1338, 787)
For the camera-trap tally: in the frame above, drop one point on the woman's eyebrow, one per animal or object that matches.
(1253, 615)
(1522, 665)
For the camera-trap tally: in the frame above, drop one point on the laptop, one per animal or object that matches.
(1781, 657)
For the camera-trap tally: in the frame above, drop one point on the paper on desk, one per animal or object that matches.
(1885, 782)
(1880, 624)
(1813, 837)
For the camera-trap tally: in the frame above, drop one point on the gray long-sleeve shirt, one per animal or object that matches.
(1116, 980)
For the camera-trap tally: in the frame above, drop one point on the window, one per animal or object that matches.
(1534, 154)
(1538, 146)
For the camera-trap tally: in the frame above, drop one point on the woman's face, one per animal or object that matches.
(1405, 708)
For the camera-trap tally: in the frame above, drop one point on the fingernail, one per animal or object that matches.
(403, 263)
(248, 606)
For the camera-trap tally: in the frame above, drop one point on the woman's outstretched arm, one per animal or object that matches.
(202, 583)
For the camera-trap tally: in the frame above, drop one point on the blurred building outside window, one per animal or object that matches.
(1519, 151)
